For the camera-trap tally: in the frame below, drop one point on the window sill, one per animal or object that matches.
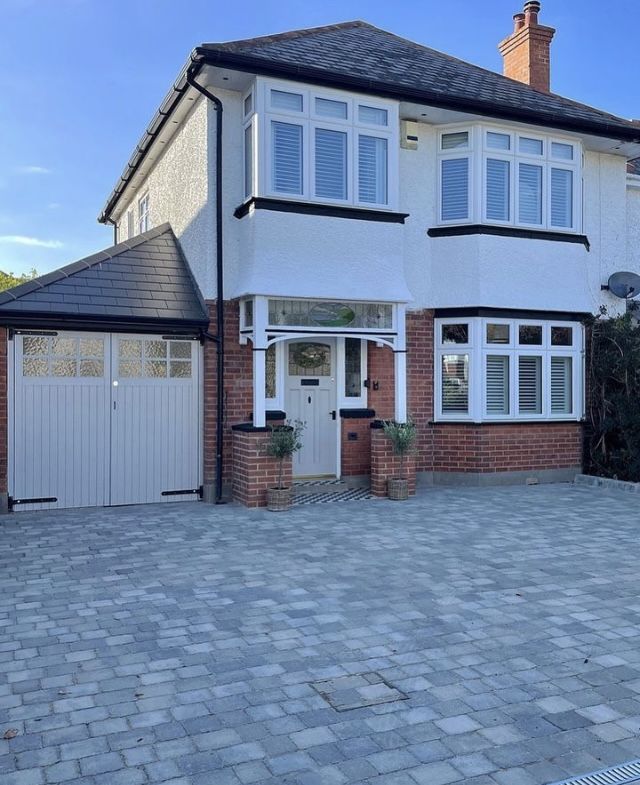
(313, 208)
(508, 231)
(357, 414)
(529, 421)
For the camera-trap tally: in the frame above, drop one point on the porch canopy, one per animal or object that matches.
(268, 320)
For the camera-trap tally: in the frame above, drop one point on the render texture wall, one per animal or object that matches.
(633, 224)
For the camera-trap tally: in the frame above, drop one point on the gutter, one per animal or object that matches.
(190, 80)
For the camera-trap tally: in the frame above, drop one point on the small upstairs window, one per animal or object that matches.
(143, 214)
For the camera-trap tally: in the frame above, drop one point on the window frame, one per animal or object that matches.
(478, 348)
(310, 120)
(478, 152)
(144, 213)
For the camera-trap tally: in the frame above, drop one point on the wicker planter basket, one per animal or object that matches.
(278, 499)
(398, 488)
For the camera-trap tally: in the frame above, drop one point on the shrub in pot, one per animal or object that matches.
(402, 436)
(284, 441)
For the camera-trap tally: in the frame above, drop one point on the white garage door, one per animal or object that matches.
(101, 419)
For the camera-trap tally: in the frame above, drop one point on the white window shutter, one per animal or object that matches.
(530, 385)
(497, 384)
(561, 385)
(287, 157)
(497, 189)
(372, 169)
(455, 189)
(562, 197)
(330, 164)
(530, 194)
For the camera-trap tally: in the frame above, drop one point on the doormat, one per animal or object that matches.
(617, 775)
(325, 497)
(358, 691)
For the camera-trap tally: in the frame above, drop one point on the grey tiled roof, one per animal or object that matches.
(358, 49)
(144, 279)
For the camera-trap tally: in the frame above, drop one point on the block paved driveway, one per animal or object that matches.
(179, 643)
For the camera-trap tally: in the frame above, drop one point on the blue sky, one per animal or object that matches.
(80, 79)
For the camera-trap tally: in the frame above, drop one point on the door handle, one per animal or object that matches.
(333, 414)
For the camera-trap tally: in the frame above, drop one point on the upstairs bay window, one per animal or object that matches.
(319, 146)
(504, 177)
(501, 369)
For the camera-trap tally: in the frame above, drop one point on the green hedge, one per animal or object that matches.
(613, 404)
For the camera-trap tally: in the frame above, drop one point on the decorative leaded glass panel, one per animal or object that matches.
(309, 359)
(180, 350)
(35, 344)
(64, 368)
(180, 369)
(155, 369)
(318, 313)
(130, 368)
(64, 347)
(130, 349)
(352, 367)
(91, 347)
(270, 372)
(35, 367)
(93, 368)
(154, 349)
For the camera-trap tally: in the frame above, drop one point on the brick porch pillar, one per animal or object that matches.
(253, 471)
(386, 464)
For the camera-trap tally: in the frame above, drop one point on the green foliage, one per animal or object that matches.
(8, 280)
(613, 410)
(284, 440)
(403, 436)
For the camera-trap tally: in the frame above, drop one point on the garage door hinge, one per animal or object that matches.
(41, 500)
(197, 491)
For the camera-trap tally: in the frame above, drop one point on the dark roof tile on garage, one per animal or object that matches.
(143, 280)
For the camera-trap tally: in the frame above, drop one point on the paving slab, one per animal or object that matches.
(485, 636)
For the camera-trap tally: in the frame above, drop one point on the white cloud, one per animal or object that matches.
(53, 206)
(33, 170)
(20, 239)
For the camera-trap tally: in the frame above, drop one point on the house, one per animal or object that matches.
(335, 225)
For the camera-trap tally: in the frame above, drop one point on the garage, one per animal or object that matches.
(101, 416)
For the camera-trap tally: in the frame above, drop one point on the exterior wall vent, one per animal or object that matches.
(408, 134)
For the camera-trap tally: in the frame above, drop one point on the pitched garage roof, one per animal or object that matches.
(144, 282)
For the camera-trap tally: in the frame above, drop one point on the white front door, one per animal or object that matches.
(310, 368)
(100, 419)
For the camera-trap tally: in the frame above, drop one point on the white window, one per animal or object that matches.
(517, 179)
(323, 146)
(506, 369)
(130, 224)
(143, 214)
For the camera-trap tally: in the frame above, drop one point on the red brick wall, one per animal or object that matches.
(506, 447)
(253, 470)
(385, 464)
(356, 455)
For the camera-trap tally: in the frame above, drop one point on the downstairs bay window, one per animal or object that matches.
(508, 369)
(510, 178)
(316, 145)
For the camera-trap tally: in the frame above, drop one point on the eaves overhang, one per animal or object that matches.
(204, 56)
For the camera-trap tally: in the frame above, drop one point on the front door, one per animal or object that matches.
(311, 398)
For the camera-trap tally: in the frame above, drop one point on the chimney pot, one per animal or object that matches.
(518, 22)
(531, 11)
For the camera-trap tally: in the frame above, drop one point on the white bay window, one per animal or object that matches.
(507, 369)
(504, 177)
(321, 146)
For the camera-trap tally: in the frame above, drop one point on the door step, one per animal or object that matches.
(325, 494)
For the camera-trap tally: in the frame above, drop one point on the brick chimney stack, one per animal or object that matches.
(525, 52)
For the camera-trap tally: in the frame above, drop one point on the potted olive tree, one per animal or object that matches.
(402, 436)
(284, 441)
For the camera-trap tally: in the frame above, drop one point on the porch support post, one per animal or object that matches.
(400, 366)
(260, 318)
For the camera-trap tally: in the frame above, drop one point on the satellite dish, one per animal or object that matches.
(625, 285)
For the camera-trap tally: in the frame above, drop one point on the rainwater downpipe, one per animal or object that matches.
(219, 337)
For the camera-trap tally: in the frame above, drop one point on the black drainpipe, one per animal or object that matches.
(219, 338)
